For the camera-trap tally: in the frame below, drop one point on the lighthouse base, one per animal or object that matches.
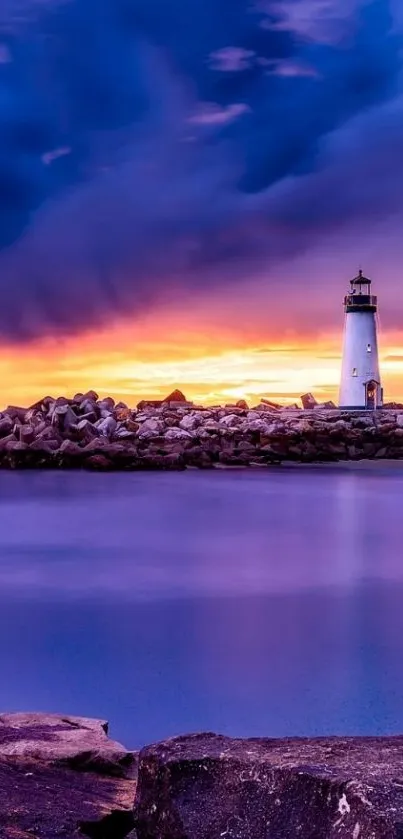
(360, 408)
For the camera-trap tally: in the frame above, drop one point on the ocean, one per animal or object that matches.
(248, 602)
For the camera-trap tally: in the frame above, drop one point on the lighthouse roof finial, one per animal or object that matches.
(360, 279)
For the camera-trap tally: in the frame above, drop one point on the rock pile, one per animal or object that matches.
(92, 433)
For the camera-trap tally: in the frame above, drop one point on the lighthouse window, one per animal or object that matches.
(354, 373)
(369, 348)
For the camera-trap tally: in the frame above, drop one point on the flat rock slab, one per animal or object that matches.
(212, 787)
(62, 778)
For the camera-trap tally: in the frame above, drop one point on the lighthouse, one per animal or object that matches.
(360, 385)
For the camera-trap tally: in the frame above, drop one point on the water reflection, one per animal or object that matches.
(250, 603)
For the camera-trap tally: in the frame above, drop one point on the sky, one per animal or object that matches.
(186, 189)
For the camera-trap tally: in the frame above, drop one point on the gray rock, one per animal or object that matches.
(27, 433)
(151, 428)
(231, 420)
(86, 430)
(89, 406)
(50, 433)
(98, 444)
(70, 449)
(15, 413)
(208, 787)
(63, 417)
(125, 434)
(191, 421)
(106, 427)
(308, 401)
(91, 396)
(44, 447)
(6, 440)
(90, 416)
(16, 446)
(62, 740)
(6, 426)
(62, 777)
(177, 434)
(106, 404)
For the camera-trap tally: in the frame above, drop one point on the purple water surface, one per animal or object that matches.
(248, 602)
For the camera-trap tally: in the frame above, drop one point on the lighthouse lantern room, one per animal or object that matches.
(360, 385)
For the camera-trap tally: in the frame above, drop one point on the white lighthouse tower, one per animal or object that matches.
(360, 385)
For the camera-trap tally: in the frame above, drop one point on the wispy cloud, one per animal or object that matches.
(209, 113)
(231, 59)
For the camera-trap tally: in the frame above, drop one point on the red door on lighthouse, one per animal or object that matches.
(371, 394)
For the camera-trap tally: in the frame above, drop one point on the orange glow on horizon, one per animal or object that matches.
(211, 364)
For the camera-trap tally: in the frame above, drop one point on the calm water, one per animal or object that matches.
(259, 602)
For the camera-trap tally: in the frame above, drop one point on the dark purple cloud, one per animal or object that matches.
(146, 142)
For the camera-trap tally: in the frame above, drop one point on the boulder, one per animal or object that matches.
(151, 428)
(122, 412)
(16, 446)
(231, 420)
(15, 413)
(126, 433)
(242, 404)
(50, 433)
(175, 396)
(91, 396)
(6, 440)
(106, 427)
(177, 434)
(106, 404)
(6, 426)
(98, 444)
(64, 418)
(90, 416)
(308, 401)
(89, 407)
(131, 425)
(274, 405)
(85, 430)
(62, 777)
(46, 448)
(190, 421)
(70, 449)
(208, 786)
(43, 405)
(27, 433)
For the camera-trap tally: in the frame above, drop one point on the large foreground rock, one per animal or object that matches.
(209, 787)
(62, 778)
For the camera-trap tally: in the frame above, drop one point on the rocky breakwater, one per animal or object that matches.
(63, 777)
(92, 433)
